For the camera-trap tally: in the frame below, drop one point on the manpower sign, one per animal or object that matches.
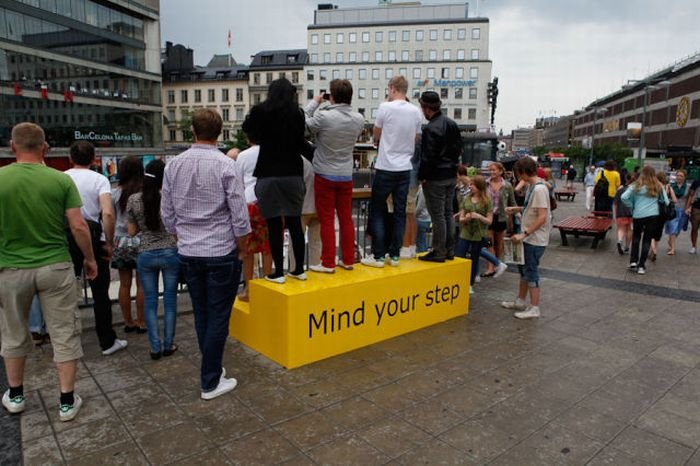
(446, 82)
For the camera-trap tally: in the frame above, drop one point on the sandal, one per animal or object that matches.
(169, 352)
(671, 252)
(488, 275)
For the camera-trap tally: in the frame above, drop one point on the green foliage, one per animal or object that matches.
(579, 155)
(185, 125)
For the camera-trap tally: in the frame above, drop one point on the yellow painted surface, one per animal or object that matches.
(298, 323)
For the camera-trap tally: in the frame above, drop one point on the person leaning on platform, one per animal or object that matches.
(536, 226)
(336, 127)
(396, 131)
(34, 259)
(441, 147)
(203, 203)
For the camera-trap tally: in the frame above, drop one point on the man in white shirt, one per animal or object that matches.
(96, 194)
(397, 129)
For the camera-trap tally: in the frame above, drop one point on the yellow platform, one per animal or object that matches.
(329, 314)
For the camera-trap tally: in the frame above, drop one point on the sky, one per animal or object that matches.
(551, 56)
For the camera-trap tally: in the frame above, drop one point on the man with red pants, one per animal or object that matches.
(336, 127)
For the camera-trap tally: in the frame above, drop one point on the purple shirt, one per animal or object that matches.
(203, 202)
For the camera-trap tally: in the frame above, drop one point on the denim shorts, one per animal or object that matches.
(530, 272)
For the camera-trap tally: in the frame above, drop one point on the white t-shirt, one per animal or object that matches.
(91, 185)
(247, 161)
(537, 197)
(400, 122)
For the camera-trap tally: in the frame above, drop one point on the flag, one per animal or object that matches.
(229, 38)
(45, 92)
(18, 89)
(68, 96)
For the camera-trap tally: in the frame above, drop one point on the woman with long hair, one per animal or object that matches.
(643, 198)
(475, 215)
(623, 218)
(661, 176)
(125, 250)
(277, 124)
(681, 189)
(502, 196)
(157, 254)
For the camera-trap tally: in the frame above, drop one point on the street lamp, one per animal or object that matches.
(596, 111)
(648, 87)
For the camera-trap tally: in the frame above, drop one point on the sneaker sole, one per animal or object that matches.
(207, 397)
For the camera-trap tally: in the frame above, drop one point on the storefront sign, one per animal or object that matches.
(92, 136)
(446, 82)
(610, 126)
(683, 112)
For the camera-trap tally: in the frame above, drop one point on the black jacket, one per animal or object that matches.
(441, 148)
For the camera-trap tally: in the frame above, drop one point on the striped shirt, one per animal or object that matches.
(203, 202)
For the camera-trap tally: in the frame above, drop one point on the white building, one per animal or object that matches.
(436, 47)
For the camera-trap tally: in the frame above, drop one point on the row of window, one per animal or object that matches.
(225, 114)
(375, 73)
(393, 36)
(361, 93)
(393, 55)
(211, 95)
(269, 77)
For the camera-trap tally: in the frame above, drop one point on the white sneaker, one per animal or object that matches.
(405, 252)
(321, 269)
(693, 251)
(302, 276)
(394, 261)
(345, 266)
(370, 261)
(225, 386)
(13, 405)
(518, 304)
(632, 266)
(68, 412)
(279, 280)
(471, 291)
(117, 346)
(500, 269)
(477, 279)
(641, 271)
(413, 251)
(532, 312)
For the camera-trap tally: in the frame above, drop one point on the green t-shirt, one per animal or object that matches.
(474, 230)
(33, 203)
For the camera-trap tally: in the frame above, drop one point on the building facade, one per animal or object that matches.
(521, 139)
(558, 133)
(83, 70)
(268, 65)
(436, 47)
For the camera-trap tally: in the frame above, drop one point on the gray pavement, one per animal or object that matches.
(609, 375)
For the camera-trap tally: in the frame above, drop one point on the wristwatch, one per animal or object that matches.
(525, 232)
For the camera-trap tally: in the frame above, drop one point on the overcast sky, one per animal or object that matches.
(551, 56)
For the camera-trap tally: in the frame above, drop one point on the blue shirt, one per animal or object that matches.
(641, 203)
(589, 179)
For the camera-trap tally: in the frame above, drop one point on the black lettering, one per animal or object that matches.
(396, 308)
(413, 304)
(445, 294)
(429, 298)
(318, 323)
(408, 305)
(455, 293)
(361, 319)
(379, 313)
(345, 314)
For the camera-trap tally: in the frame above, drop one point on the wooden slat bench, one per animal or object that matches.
(569, 194)
(596, 227)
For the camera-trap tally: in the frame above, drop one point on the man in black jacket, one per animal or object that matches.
(441, 147)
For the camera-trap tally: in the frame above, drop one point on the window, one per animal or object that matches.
(361, 111)
(239, 95)
(378, 37)
(444, 92)
(374, 112)
(309, 94)
(352, 57)
(225, 114)
(266, 59)
(171, 115)
(460, 54)
(461, 34)
(224, 95)
(472, 93)
(416, 73)
(197, 95)
(432, 55)
(362, 93)
(339, 57)
(173, 135)
(459, 73)
(323, 75)
(471, 114)
(327, 57)
(447, 34)
(405, 36)
(184, 95)
(171, 97)
(211, 95)
(239, 114)
(365, 37)
(446, 54)
(476, 35)
(419, 55)
(392, 36)
(268, 78)
(375, 93)
(457, 113)
(392, 55)
(445, 73)
(256, 98)
(362, 74)
(336, 74)
(375, 73)
(389, 73)
(378, 56)
(310, 75)
(433, 34)
(365, 56)
(431, 73)
(403, 71)
(348, 74)
(312, 59)
(419, 36)
(352, 37)
(459, 93)
(326, 38)
(404, 55)
(314, 39)
(339, 38)
(295, 77)
(474, 72)
(475, 54)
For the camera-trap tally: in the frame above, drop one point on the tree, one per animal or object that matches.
(185, 125)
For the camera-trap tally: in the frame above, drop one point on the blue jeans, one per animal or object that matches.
(149, 264)
(473, 248)
(396, 184)
(212, 283)
(530, 272)
(421, 236)
(36, 317)
(490, 257)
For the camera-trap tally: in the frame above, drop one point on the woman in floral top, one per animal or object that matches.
(475, 215)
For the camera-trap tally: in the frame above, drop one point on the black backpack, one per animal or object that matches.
(601, 187)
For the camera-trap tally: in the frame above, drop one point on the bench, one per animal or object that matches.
(569, 194)
(597, 227)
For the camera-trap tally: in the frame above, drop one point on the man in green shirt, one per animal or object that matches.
(34, 260)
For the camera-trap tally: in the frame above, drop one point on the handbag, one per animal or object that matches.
(666, 211)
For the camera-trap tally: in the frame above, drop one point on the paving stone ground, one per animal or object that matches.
(609, 375)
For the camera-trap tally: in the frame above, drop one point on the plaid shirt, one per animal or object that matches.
(203, 202)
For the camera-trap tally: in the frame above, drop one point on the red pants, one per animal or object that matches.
(332, 197)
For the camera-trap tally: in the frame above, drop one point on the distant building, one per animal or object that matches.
(536, 138)
(269, 65)
(521, 139)
(558, 134)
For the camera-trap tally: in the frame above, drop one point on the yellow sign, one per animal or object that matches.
(683, 112)
(302, 322)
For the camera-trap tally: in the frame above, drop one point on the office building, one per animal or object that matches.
(268, 65)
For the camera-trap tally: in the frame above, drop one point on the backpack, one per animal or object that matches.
(601, 187)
